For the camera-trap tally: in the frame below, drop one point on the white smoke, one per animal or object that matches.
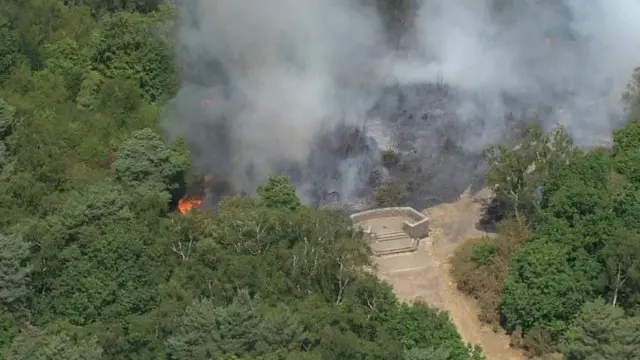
(278, 72)
(539, 49)
(293, 66)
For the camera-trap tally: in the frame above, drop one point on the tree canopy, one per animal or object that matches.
(578, 210)
(96, 263)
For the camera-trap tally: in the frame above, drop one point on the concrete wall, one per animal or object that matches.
(417, 228)
(368, 235)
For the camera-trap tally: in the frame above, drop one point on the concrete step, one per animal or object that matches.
(404, 252)
(394, 251)
(391, 236)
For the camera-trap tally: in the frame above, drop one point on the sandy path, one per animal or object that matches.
(425, 274)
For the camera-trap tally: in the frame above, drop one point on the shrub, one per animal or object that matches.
(483, 254)
(480, 267)
(390, 158)
(390, 194)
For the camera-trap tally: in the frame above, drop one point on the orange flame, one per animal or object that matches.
(186, 205)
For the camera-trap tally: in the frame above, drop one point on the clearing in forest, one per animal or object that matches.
(425, 273)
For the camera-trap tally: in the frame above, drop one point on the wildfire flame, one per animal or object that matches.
(186, 204)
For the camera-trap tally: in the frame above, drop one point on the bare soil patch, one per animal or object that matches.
(425, 273)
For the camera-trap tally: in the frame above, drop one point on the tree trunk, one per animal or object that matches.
(615, 291)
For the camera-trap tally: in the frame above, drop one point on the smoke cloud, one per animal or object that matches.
(266, 83)
(571, 55)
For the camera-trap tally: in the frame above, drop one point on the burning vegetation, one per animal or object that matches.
(188, 203)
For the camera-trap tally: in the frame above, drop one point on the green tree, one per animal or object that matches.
(144, 158)
(36, 344)
(427, 354)
(39, 21)
(93, 257)
(14, 273)
(129, 46)
(8, 330)
(547, 284)
(210, 331)
(602, 332)
(622, 261)
(143, 6)
(631, 96)
(7, 139)
(278, 193)
(626, 147)
(280, 331)
(420, 327)
(516, 174)
(9, 50)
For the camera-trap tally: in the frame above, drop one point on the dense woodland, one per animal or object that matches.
(95, 263)
(562, 273)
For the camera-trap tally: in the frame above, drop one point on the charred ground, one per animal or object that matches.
(414, 147)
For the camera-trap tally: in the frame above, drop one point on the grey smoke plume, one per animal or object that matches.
(287, 69)
(574, 56)
(264, 80)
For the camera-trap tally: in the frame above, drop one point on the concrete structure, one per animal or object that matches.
(392, 230)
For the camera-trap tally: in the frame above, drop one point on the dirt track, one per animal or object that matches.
(425, 274)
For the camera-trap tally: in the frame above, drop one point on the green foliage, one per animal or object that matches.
(429, 331)
(389, 158)
(143, 6)
(626, 147)
(581, 211)
(36, 344)
(627, 138)
(144, 158)
(621, 256)
(480, 267)
(570, 257)
(602, 331)
(95, 265)
(128, 46)
(209, 332)
(7, 140)
(426, 354)
(483, 254)
(516, 174)
(14, 273)
(281, 331)
(278, 193)
(631, 96)
(547, 285)
(390, 194)
(8, 329)
(9, 51)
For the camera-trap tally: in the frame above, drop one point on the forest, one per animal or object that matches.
(562, 273)
(96, 263)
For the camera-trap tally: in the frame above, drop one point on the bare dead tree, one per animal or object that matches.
(183, 251)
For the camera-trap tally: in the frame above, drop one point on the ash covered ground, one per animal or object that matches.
(353, 100)
(414, 137)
